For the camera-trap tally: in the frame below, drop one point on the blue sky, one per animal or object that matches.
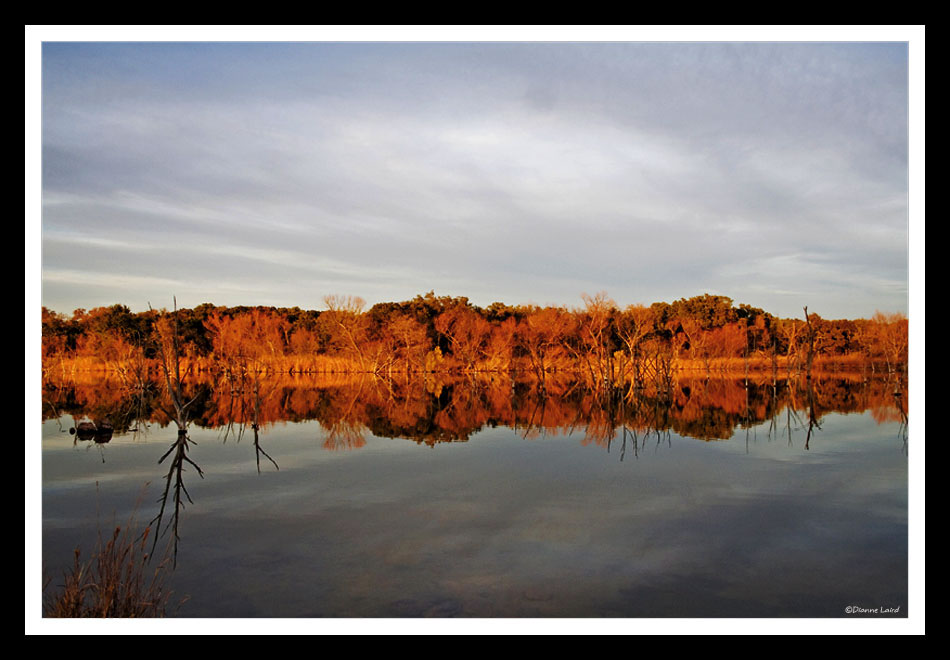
(276, 173)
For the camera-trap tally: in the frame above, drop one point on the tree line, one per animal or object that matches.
(598, 341)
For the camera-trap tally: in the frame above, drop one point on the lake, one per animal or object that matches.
(483, 498)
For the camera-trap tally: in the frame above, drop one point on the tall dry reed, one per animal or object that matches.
(118, 580)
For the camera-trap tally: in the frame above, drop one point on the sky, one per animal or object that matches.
(774, 173)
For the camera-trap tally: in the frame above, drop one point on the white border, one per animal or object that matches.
(35, 35)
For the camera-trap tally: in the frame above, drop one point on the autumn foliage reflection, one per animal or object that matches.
(451, 408)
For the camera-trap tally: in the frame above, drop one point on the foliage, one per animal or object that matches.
(599, 339)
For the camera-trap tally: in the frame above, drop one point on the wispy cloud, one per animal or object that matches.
(516, 172)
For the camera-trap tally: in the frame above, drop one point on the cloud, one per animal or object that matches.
(510, 172)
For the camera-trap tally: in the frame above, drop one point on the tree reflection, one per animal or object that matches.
(343, 428)
(900, 402)
(175, 488)
(440, 409)
(166, 335)
(241, 401)
(813, 416)
(255, 426)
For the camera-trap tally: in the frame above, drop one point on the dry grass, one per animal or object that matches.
(117, 581)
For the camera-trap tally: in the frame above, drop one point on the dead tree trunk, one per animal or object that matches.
(810, 337)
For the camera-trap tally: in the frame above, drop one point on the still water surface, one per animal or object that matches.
(444, 504)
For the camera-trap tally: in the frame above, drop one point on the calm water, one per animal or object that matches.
(462, 500)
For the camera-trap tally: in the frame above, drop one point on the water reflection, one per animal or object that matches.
(86, 430)
(439, 410)
(256, 426)
(178, 412)
(431, 411)
(370, 534)
(175, 489)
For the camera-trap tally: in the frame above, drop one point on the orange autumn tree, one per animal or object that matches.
(596, 343)
(467, 332)
(253, 341)
(886, 338)
(499, 350)
(410, 340)
(728, 341)
(634, 325)
(347, 330)
(543, 336)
